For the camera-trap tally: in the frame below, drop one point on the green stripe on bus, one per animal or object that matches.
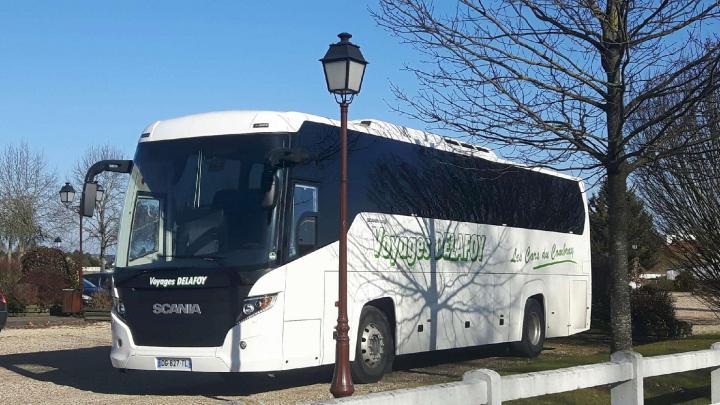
(553, 263)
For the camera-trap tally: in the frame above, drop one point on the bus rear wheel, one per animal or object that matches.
(533, 332)
(375, 348)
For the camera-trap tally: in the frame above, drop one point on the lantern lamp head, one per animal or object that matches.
(67, 194)
(344, 67)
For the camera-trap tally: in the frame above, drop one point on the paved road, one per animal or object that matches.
(690, 308)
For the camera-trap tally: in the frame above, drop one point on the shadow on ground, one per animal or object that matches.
(429, 359)
(680, 396)
(89, 369)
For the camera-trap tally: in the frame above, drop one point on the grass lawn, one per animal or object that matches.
(684, 388)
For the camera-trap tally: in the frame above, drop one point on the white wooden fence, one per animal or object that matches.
(625, 372)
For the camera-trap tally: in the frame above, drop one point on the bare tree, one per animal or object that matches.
(685, 196)
(26, 197)
(104, 225)
(556, 82)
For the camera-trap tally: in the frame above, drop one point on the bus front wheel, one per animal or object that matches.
(533, 332)
(375, 348)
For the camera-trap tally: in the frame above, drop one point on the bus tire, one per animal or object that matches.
(533, 330)
(375, 348)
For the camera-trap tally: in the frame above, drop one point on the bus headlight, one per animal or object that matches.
(254, 305)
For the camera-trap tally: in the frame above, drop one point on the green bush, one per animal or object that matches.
(25, 294)
(10, 274)
(653, 315)
(600, 292)
(45, 273)
(101, 300)
(664, 284)
(685, 281)
(14, 306)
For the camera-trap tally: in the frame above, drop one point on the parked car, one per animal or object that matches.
(102, 280)
(3, 310)
(88, 290)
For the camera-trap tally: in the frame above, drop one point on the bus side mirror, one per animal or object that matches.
(87, 204)
(306, 235)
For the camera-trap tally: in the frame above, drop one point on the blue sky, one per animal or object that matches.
(88, 72)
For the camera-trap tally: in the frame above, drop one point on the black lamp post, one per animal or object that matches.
(344, 68)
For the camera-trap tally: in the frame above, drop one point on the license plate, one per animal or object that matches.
(165, 363)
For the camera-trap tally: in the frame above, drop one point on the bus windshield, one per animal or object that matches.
(204, 200)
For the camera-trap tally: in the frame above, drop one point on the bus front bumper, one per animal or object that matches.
(258, 354)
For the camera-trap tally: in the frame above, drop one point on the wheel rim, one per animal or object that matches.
(534, 329)
(372, 345)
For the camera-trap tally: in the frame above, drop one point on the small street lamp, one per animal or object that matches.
(344, 68)
(67, 196)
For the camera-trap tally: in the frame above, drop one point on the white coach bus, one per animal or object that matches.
(227, 259)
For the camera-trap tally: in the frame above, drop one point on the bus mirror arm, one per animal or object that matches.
(89, 192)
(116, 166)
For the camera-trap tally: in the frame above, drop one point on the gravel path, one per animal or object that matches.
(69, 364)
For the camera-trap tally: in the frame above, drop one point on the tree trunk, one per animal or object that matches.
(614, 36)
(103, 237)
(617, 226)
(619, 287)
(9, 249)
(102, 254)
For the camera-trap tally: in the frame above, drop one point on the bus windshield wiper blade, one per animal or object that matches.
(206, 258)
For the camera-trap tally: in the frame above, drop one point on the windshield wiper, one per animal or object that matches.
(206, 258)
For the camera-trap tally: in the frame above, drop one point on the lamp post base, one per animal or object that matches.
(342, 385)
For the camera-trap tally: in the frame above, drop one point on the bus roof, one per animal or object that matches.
(254, 122)
(249, 122)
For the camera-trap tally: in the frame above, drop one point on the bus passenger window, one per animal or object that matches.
(305, 200)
